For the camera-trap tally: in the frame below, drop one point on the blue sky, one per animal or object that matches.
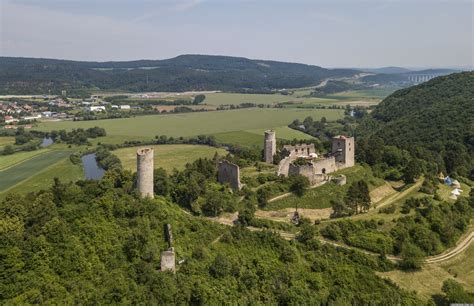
(350, 33)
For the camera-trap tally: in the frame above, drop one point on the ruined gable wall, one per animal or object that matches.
(229, 173)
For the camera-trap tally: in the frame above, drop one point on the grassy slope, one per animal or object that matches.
(168, 156)
(430, 279)
(321, 197)
(191, 124)
(14, 175)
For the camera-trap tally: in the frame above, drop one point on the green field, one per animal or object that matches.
(168, 156)
(222, 98)
(29, 168)
(63, 169)
(283, 132)
(240, 138)
(13, 159)
(192, 124)
(6, 141)
(321, 197)
(254, 138)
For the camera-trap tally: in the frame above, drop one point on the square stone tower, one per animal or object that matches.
(269, 146)
(343, 150)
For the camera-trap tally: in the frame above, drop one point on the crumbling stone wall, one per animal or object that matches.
(145, 169)
(340, 180)
(229, 173)
(304, 170)
(168, 260)
(325, 166)
(298, 150)
(269, 146)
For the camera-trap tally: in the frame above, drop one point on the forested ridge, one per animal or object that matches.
(434, 121)
(182, 73)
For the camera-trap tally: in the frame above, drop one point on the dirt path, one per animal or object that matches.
(285, 195)
(458, 249)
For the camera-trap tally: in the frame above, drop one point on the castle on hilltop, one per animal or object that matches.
(315, 167)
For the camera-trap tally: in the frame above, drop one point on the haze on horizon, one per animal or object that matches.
(350, 33)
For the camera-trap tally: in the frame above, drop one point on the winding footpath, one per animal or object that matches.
(460, 247)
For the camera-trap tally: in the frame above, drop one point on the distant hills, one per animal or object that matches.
(182, 73)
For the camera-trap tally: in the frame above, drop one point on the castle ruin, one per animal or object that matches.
(317, 170)
(229, 173)
(168, 260)
(269, 146)
(145, 172)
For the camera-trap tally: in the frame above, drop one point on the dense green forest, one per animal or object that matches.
(182, 73)
(97, 242)
(433, 121)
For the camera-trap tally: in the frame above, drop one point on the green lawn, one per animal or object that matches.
(192, 124)
(13, 159)
(63, 169)
(168, 156)
(29, 168)
(321, 197)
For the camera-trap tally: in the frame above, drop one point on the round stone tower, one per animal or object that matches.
(269, 146)
(145, 172)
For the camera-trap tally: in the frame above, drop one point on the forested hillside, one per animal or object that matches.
(434, 121)
(97, 242)
(185, 72)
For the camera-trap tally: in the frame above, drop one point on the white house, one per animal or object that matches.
(124, 107)
(96, 108)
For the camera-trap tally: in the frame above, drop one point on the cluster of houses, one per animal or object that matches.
(14, 112)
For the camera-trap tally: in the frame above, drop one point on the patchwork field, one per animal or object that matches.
(192, 124)
(168, 156)
(28, 168)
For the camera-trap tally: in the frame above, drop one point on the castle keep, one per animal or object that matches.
(145, 172)
(269, 146)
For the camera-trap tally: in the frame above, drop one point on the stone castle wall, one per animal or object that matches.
(145, 169)
(229, 173)
(304, 170)
(325, 166)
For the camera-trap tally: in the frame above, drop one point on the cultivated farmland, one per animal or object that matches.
(24, 170)
(192, 124)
